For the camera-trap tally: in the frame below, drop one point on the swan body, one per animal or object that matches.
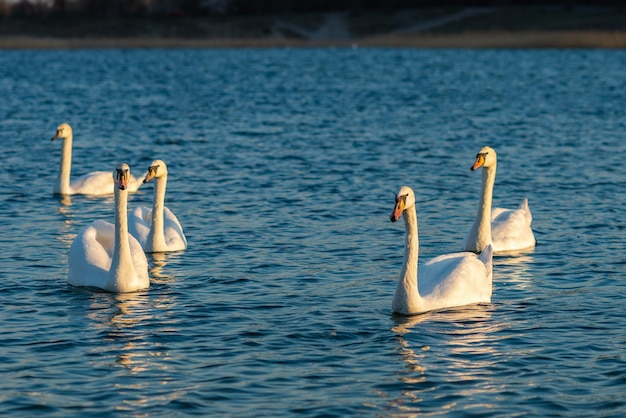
(505, 229)
(157, 228)
(446, 281)
(94, 183)
(105, 256)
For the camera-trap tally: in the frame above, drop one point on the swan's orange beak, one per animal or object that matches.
(57, 135)
(480, 161)
(397, 210)
(151, 173)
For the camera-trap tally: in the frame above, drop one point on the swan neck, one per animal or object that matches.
(63, 181)
(484, 204)
(412, 238)
(407, 298)
(157, 236)
(481, 230)
(121, 265)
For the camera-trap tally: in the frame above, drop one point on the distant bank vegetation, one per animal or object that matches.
(272, 23)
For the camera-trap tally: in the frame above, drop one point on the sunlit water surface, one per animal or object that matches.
(282, 168)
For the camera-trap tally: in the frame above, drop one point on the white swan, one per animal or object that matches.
(446, 281)
(105, 256)
(157, 229)
(94, 183)
(505, 229)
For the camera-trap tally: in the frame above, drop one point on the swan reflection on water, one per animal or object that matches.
(465, 350)
(513, 270)
(116, 313)
(157, 261)
(67, 231)
(64, 200)
(156, 264)
(121, 320)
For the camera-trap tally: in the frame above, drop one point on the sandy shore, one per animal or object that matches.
(473, 39)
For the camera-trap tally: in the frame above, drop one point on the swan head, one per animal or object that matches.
(64, 131)
(121, 176)
(157, 169)
(405, 198)
(486, 157)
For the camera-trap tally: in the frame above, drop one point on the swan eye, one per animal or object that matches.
(121, 173)
(401, 198)
(481, 157)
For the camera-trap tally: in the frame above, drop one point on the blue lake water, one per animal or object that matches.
(282, 168)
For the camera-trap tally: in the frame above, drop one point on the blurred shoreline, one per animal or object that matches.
(486, 27)
(491, 39)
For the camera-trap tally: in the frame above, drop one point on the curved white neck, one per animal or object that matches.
(407, 298)
(62, 185)
(480, 234)
(122, 271)
(156, 236)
